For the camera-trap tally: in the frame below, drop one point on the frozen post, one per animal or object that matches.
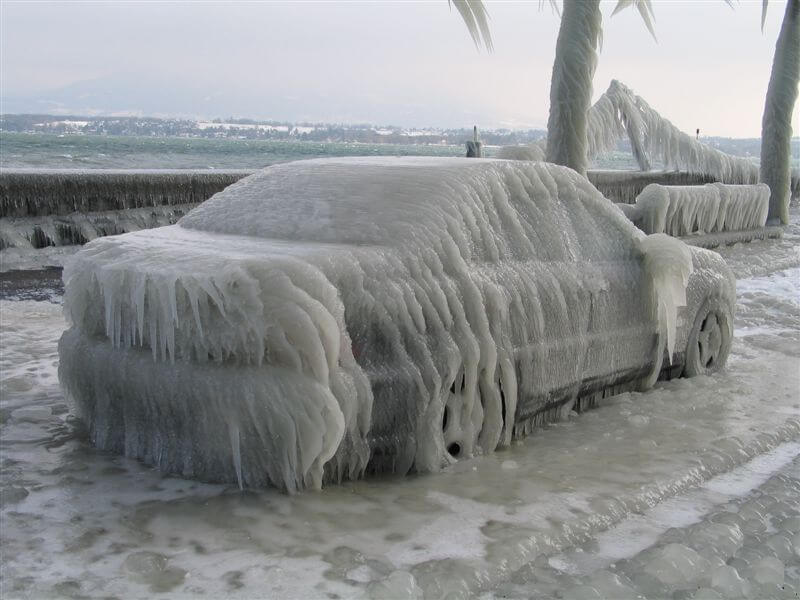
(474, 149)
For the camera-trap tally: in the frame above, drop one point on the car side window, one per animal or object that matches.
(603, 232)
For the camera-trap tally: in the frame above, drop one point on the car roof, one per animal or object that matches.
(482, 204)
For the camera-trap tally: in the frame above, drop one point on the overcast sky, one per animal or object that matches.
(403, 63)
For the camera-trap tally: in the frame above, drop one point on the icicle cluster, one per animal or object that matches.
(324, 317)
(713, 208)
(79, 228)
(669, 263)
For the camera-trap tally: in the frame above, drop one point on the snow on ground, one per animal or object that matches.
(690, 487)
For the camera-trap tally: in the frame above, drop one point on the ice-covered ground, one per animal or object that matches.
(690, 487)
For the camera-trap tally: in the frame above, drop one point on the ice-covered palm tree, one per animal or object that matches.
(574, 67)
(776, 125)
(573, 70)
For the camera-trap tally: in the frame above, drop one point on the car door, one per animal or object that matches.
(622, 332)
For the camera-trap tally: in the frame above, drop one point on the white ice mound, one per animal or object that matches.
(321, 316)
(713, 208)
(535, 152)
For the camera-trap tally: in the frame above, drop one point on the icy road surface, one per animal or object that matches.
(689, 490)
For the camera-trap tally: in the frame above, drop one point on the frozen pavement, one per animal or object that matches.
(661, 494)
(707, 543)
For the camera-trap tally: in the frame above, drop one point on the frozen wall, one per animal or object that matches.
(325, 317)
(713, 208)
(29, 193)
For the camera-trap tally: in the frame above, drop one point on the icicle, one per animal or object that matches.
(668, 263)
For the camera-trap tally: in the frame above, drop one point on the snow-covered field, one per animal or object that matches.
(689, 490)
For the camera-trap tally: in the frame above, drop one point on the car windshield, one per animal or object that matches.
(355, 201)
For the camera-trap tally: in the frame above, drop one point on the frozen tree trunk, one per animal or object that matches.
(571, 85)
(776, 126)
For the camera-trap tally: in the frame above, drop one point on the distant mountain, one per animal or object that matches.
(146, 94)
(253, 129)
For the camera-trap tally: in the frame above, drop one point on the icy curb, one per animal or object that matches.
(464, 578)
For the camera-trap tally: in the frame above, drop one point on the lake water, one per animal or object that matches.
(43, 151)
(124, 152)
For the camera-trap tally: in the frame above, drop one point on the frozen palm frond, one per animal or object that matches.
(553, 5)
(645, 9)
(476, 19)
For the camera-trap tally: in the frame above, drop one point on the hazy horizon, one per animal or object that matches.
(405, 64)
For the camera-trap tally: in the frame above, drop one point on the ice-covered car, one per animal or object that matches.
(324, 318)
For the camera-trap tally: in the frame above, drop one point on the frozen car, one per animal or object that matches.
(323, 318)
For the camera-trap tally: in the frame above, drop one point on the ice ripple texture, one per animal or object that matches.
(246, 314)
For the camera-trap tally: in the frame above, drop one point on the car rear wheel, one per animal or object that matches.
(710, 338)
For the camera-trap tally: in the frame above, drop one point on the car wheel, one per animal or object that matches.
(452, 430)
(710, 338)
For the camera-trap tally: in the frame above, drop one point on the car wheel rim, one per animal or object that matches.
(709, 340)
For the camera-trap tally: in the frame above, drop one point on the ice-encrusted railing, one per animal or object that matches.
(60, 207)
(681, 211)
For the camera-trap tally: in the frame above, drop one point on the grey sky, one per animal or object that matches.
(405, 63)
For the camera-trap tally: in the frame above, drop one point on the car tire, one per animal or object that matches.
(710, 338)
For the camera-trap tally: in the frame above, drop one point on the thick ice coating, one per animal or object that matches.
(323, 317)
(619, 113)
(79, 228)
(713, 208)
